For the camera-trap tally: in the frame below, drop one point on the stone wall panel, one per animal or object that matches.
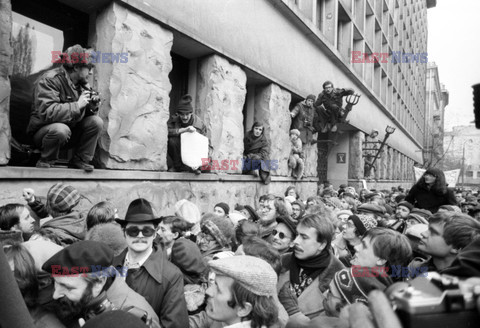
(136, 93)
(272, 108)
(221, 91)
(5, 71)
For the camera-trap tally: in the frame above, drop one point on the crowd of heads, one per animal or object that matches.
(235, 255)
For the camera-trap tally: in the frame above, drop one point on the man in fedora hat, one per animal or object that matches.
(149, 272)
(183, 122)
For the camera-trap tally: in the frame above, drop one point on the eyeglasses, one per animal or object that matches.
(134, 231)
(281, 235)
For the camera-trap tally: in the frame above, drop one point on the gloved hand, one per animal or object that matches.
(28, 195)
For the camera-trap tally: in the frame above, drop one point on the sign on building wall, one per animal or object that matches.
(341, 158)
(451, 177)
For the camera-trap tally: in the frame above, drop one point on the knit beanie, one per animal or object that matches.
(406, 204)
(62, 198)
(363, 223)
(185, 105)
(354, 284)
(219, 228)
(252, 273)
(224, 207)
(312, 97)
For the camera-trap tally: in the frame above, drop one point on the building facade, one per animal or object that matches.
(437, 100)
(242, 61)
(461, 152)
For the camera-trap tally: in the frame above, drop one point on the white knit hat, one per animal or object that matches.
(252, 273)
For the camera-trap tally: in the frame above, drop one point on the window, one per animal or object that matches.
(469, 174)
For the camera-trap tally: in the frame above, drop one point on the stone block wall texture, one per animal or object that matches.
(136, 93)
(272, 108)
(311, 159)
(5, 71)
(221, 91)
(356, 162)
(162, 194)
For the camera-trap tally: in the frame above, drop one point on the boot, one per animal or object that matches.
(265, 176)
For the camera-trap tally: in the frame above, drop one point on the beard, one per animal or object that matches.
(70, 311)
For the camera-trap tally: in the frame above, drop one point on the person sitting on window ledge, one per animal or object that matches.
(183, 122)
(64, 111)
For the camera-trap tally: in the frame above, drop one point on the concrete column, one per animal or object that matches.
(135, 107)
(272, 107)
(221, 91)
(5, 72)
(356, 162)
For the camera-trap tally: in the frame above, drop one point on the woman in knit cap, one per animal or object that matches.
(222, 210)
(256, 152)
(430, 192)
(215, 236)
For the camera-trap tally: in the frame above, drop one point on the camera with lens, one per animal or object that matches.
(439, 301)
(93, 104)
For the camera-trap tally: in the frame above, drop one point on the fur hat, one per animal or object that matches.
(363, 223)
(109, 233)
(62, 198)
(219, 228)
(185, 105)
(252, 273)
(311, 97)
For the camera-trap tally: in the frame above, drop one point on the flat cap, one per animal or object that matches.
(252, 273)
(86, 254)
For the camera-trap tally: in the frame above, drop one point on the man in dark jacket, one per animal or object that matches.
(184, 122)
(303, 115)
(64, 111)
(149, 272)
(86, 285)
(329, 106)
(310, 269)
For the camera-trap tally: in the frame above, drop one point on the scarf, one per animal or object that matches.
(255, 144)
(310, 269)
(184, 125)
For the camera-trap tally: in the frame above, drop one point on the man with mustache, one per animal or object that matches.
(309, 269)
(183, 122)
(86, 285)
(149, 272)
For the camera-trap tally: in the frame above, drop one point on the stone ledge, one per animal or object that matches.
(30, 173)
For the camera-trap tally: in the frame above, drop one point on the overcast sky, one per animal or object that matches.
(454, 45)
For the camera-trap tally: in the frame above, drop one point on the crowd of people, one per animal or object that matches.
(287, 260)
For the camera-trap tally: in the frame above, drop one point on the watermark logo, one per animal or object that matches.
(93, 57)
(93, 270)
(398, 271)
(396, 57)
(234, 164)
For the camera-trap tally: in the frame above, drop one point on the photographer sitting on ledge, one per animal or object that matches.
(64, 111)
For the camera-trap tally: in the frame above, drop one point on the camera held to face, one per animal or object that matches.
(94, 103)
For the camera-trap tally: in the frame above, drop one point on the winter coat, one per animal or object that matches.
(55, 101)
(69, 228)
(187, 257)
(161, 283)
(175, 123)
(310, 301)
(421, 197)
(125, 298)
